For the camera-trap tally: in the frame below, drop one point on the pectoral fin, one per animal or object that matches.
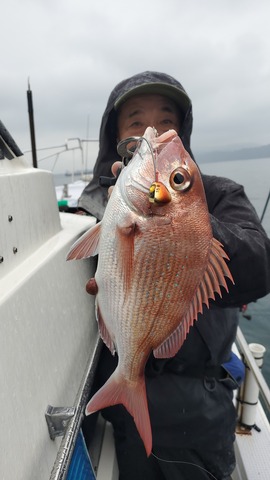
(126, 238)
(87, 245)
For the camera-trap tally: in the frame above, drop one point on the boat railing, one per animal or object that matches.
(71, 146)
(71, 427)
(254, 384)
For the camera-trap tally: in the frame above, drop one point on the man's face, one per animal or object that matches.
(142, 111)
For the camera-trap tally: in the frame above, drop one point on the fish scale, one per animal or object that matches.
(158, 263)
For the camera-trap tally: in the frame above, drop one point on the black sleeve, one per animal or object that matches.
(236, 225)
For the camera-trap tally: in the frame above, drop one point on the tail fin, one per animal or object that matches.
(133, 396)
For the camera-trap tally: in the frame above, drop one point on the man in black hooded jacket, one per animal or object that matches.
(189, 396)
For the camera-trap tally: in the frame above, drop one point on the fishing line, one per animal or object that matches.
(140, 140)
(186, 463)
(126, 153)
(265, 207)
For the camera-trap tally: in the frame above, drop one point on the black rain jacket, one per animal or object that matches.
(188, 407)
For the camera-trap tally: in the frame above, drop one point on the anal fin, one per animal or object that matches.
(104, 333)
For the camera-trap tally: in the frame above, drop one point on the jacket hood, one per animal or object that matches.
(94, 197)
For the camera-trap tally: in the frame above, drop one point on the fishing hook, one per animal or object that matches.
(126, 154)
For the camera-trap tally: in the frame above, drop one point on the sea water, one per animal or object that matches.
(63, 179)
(254, 175)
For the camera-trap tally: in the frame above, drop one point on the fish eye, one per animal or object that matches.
(180, 179)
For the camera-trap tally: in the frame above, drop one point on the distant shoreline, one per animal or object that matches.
(241, 154)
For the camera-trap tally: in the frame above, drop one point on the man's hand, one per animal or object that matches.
(115, 167)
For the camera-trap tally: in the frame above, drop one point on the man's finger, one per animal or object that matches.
(115, 167)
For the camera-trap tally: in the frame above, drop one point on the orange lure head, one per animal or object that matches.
(159, 194)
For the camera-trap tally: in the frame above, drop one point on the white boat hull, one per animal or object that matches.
(47, 322)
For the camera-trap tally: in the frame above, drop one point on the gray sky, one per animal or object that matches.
(75, 51)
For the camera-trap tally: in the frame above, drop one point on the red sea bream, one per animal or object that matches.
(158, 263)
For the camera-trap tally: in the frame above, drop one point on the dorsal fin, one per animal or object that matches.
(214, 276)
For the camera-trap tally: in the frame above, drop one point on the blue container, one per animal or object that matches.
(80, 467)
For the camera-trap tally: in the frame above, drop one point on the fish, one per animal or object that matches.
(158, 264)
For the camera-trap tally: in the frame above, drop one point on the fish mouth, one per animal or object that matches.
(139, 186)
(136, 197)
(134, 194)
(157, 192)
